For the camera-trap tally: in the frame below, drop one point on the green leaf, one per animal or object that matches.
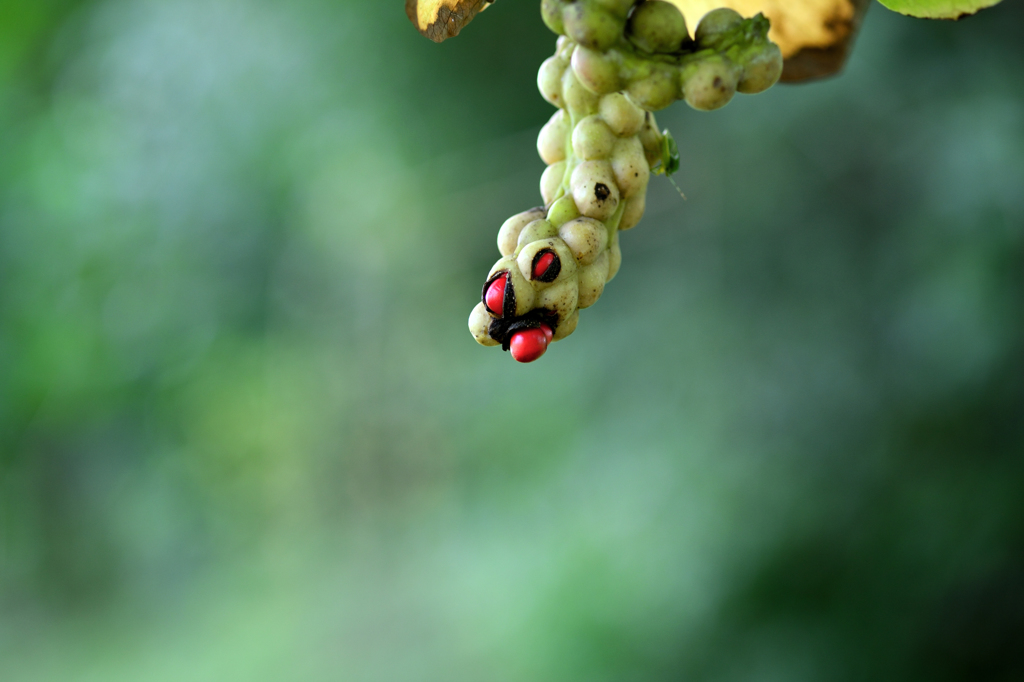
(938, 9)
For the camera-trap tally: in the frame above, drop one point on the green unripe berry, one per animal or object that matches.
(619, 8)
(623, 117)
(594, 189)
(576, 96)
(561, 297)
(480, 324)
(586, 238)
(596, 70)
(551, 181)
(656, 91)
(562, 211)
(633, 212)
(552, 138)
(761, 70)
(508, 235)
(564, 48)
(551, 13)
(535, 231)
(567, 325)
(657, 26)
(592, 280)
(715, 23)
(591, 26)
(710, 83)
(630, 167)
(549, 80)
(592, 139)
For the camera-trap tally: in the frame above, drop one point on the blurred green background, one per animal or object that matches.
(247, 437)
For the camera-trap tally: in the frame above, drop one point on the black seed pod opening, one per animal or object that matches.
(502, 329)
(601, 191)
(554, 268)
(487, 285)
(508, 304)
(510, 299)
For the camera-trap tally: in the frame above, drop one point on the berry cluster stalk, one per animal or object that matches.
(615, 63)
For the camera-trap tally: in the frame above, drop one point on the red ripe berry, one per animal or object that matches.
(541, 265)
(548, 332)
(495, 297)
(529, 344)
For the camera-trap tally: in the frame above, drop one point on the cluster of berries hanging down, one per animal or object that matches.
(616, 62)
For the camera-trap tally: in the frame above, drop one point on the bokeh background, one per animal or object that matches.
(246, 436)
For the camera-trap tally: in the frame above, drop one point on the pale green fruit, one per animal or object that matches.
(592, 139)
(623, 117)
(710, 83)
(591, 26)
(576, 96)
(633, 212)
(564, 48)
(508, 235)
(761, 71)
(619, 8)
(656, 26)
(586, 238)
(561, 297)
(562, 211)
(552, 139)
(596, 71)
(479, 324)
(551, 13)
(551, 182)
(549, 80)
(592, 280)
(594, 190)
(630, 167)
(656, 91)
(566, 326)
(716, 22)
(535, 231)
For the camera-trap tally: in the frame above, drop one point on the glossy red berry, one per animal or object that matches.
(529, 344)
(494, 299)
(542, 264)
(546, 266)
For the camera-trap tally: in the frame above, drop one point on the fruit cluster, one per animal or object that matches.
(616, 62)
(645, 50)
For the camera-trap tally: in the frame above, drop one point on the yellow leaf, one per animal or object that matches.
(443, 19)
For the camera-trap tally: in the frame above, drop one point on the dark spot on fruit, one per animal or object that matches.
(717, 82)
(601, 191)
